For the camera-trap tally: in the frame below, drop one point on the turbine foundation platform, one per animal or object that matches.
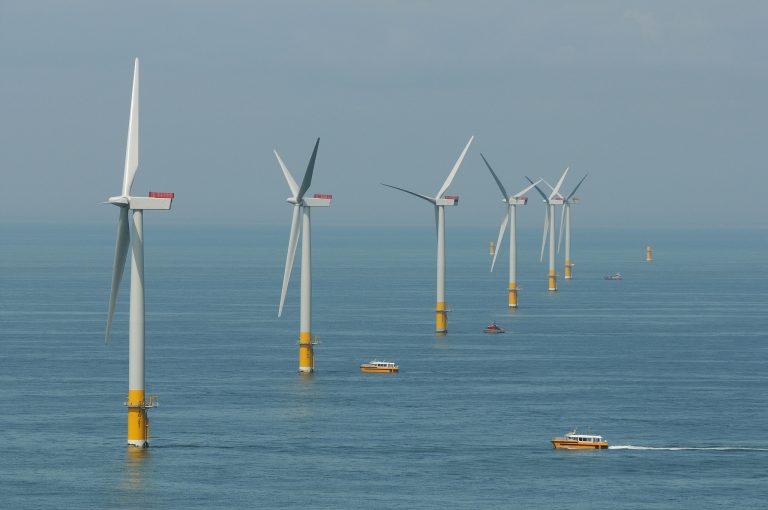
(306, 353)
(513, 295)
(138, 419)
(441, 318)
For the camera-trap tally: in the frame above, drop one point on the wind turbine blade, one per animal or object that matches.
(454, 169)
(495, 177)
(577, 187)
(500, 238)
(544, 238)
(428, 199)
(437, 221)
(560, 235)
(132, 146)
(122, 244)
(293, 239)
(307, 180)
(543, 195)
(288, 177)
(556, 190)
(526, 190)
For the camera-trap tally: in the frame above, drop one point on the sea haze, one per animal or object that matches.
(668, 364)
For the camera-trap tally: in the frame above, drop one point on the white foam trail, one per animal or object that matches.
(688, 448)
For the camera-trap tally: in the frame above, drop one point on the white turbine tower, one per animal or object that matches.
(566, 216)
(137, 403)
(439, 202)
(510, 217)
(554, 199)
(301, 208)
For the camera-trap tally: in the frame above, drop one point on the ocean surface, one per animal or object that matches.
(669, 365)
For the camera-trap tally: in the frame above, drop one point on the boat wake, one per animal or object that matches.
(688, 448)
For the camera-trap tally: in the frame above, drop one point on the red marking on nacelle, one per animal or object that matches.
(161, 194)
(452, 197)
(319, 195)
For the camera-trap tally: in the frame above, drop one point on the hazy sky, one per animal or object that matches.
(663, 103)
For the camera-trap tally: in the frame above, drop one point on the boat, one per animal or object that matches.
(575, 441)
(379, 366)
(493, 328)
(614, 276)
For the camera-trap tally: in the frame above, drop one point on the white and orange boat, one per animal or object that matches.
(493, 328)
(575, 441)
(379, 366)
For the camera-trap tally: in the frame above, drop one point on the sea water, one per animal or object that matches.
(669, 365)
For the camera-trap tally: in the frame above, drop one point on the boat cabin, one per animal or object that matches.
(382, 364)
(379, 366)
(584, 438)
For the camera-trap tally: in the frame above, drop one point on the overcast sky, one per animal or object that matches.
(663, 103)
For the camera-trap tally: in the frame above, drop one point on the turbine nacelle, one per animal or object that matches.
(521, 200)
(447, 200)
(316, 200)
(158, 201)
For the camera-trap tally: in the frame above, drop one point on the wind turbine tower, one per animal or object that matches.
(552, 201)
(439, 202)
(302, 207)
(510, 217)
(569, 201)
(137, 403)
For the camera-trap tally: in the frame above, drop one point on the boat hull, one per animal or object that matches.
(379, 370)
(564, 444)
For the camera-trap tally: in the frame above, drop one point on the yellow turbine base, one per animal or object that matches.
(648, 254)
(138, 421)
(441, 318)
(568, 268)
(306, 353)
(513, 295)
(552, 280)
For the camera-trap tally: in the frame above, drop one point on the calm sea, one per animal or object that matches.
(668, 364)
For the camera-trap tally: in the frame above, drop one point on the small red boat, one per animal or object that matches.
(493, 328)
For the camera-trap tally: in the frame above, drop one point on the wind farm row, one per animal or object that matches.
(130, 236)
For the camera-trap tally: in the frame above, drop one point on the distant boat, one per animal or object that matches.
(614, 276)
(574, 441)
(493, 328)
(377, 366)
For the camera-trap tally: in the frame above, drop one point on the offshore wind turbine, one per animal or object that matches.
(566, 216)
(137, 403)
(302, 207)
(510, 217)
(439, 202)
(553, 200)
